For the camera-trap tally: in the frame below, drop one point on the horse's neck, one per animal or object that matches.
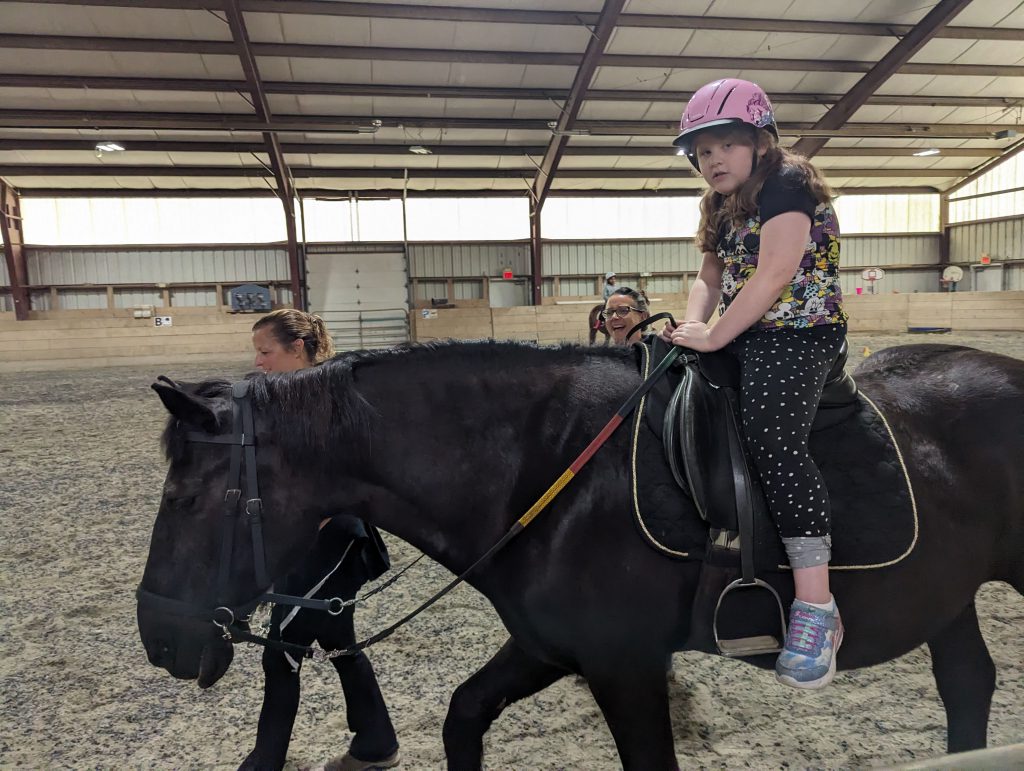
(458, 456)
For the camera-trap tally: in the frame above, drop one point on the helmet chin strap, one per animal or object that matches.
(754, 161)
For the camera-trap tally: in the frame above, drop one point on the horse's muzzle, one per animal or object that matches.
(186, 648)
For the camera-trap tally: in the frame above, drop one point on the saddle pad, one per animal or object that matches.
(874, 516)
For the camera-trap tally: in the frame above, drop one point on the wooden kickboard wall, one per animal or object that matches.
(67, 340)
(889, 313)
(83, 339)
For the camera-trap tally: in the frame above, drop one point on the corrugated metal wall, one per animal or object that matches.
(577, 263)
(486, 258)
(426, 290)
(112, 265)
(1015, 277)
(887, 251)
(1002, 240)
(105, 266)
(595, 257)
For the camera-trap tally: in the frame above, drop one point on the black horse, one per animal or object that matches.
(493, 423)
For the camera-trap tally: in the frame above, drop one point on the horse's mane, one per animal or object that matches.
(318, 409)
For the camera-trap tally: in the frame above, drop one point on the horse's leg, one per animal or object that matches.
(966, 678)
(280, 704)
(632, 692)
(511, 675)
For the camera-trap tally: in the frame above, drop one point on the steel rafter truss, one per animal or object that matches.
(278, 165)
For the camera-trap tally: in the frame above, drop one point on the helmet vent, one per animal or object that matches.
(725, 99)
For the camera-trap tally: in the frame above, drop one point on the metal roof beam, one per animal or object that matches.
(240, 35)
(600, 35)
(278, 164)
(377, 53)
(504, 150)
(343, 124)
(212, 85)
(938, 17)
(260, 192)
(577, 94)
(561, 18)
(313, 172)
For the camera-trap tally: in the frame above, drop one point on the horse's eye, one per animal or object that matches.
(183, 502)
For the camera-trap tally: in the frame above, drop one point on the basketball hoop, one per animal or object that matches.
(871, 275)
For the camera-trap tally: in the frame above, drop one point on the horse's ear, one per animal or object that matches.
(186, 407)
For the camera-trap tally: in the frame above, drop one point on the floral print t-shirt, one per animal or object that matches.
(813, 297)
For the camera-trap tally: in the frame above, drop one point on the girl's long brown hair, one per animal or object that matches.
(716, 209)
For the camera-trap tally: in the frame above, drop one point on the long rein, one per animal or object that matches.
(237, 634)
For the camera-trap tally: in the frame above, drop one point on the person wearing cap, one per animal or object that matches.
(770, 242)
(609, 285)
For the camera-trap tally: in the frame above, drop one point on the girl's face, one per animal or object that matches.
(725, 160)
(271, 356)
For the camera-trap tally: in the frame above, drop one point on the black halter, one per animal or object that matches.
(242, 441)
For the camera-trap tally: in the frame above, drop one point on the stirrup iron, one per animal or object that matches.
(756, 645)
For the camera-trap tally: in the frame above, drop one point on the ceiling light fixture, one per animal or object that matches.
(372, 128)
(580, 132)
(929, 151)
(109, 147)
(1005, 134)
(420, 150)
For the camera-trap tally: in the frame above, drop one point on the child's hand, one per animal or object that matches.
(694, 335)
(667, 330)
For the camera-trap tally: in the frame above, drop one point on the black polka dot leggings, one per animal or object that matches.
(782, 374)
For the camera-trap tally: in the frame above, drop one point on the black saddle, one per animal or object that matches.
(706, 452)
(688, 428)
(703, 440)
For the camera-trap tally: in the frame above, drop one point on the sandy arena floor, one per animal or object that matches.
(80, 479)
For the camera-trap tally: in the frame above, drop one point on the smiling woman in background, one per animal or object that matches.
(623, 310)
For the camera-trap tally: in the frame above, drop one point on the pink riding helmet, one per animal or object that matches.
(720, 103)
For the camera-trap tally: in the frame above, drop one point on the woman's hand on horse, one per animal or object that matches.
(694, 335)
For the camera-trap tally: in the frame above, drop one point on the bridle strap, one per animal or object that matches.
(253, 504)
(242, 442)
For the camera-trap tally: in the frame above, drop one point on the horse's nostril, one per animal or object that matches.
(159, 653)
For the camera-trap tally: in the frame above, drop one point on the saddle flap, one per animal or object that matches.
(697, 426)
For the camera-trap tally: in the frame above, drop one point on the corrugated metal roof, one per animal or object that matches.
(429, 102)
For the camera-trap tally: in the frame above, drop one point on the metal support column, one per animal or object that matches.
(14, 252)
